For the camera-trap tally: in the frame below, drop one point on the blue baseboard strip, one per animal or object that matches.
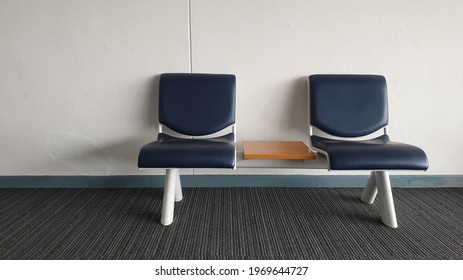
(421, 181)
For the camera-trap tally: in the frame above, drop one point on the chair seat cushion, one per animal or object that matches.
(173, 152)
(374, 154)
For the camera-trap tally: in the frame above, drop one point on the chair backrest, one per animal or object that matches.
(348, 105)
(197, 104)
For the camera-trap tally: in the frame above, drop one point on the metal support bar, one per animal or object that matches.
(178, 188)
(370, 191)
(385, 199)
(168, 201)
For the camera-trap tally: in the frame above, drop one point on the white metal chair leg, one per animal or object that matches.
(178, 188)
(370, 191)
(168, 201)
(385, 199)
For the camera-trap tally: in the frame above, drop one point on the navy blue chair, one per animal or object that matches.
(346, 114)
(198, 114)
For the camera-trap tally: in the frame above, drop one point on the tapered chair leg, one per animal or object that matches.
(178, 189)
(370, 191)
(385, 199)
(168, 201)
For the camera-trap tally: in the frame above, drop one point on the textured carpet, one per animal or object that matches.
(228, 223)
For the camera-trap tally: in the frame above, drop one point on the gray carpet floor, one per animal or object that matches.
(228, 223)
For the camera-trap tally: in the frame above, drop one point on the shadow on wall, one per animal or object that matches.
(151, 104)
(71, 153)
(74, 154)
(295, 111)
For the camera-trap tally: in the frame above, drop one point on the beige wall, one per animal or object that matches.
(78, 78)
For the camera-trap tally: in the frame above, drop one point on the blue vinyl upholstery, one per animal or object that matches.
(374, 154)
(194, 105)
(348, 105)
(173, 152)
(351, 106)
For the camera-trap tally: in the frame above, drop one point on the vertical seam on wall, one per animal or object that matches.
(190, 47)
(190, 51)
